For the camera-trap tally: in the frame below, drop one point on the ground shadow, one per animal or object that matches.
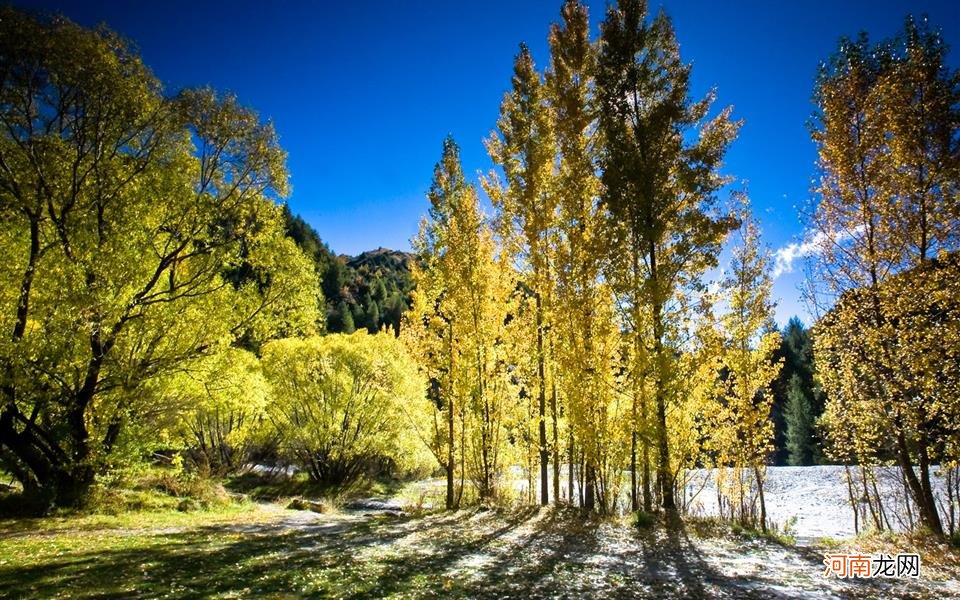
(546, 553)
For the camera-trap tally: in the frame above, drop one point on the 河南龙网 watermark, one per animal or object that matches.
(864, 566)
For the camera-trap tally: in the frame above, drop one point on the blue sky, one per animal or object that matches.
(362, 94)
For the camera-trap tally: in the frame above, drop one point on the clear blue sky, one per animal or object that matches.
(362, 94)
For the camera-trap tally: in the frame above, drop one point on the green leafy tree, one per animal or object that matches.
(138, 232)
(343, 404)
(223, 399)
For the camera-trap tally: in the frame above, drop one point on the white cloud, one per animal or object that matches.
(785, 256)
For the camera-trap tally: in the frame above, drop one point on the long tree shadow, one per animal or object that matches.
(676, 566)
(400, 571)
(211, 560)
(560, 553)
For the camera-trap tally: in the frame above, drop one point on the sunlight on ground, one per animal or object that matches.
(257, 550)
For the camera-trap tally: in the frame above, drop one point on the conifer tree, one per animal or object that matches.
(799, 420)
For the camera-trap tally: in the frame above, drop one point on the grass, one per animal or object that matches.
(143, 540)
(248, 550)
(714, 527)
(407, 557)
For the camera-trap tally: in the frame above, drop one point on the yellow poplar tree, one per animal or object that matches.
(458, 327)
(744, 419)
(885, 129)
(526, 204)
(660, 189)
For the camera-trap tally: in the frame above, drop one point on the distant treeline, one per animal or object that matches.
(370, 290)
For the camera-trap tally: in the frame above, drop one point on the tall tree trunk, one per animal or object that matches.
(930, 503)
(922, 495)
(874, 515)
(570, 478)
(556, 443)
(450, 437)
(581, 476)
(589, 499)
(763, 504)
(634, 503)
(645, 474)
(853, 501)
(541, 371)
(664, 478)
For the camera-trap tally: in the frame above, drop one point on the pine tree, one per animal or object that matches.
(799, 418)
(796, 352)
(373, 317)
(345, 319)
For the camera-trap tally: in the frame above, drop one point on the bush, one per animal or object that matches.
(642, 520)
(342, 405)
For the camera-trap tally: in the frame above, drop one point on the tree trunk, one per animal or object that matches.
(450, 453)
(556, 444)
(570, 479)
(634, 503)
(450, 409)
(645, 475)
(763, 504)
(922, 494)
(541, 371)
(589, 498)
(664, 478)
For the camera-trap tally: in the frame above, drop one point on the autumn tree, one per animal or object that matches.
(341, 405)
(744, 428)
(886, 133)
(458, 327)
(221, 402)
(660, 190)
(526, 203)
(138, 232)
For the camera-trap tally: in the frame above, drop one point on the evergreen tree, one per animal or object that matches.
(373, 317)
(799, 419)
(796, 353)
(346, 324)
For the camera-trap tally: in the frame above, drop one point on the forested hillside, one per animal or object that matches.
(371, 290)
